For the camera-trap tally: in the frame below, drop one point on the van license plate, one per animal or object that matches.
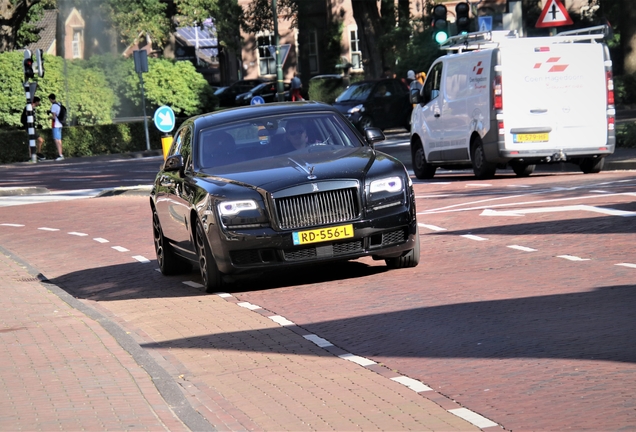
(530, 138)
(322, 234)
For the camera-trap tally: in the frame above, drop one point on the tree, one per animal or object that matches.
(12, 14)
(367, 17)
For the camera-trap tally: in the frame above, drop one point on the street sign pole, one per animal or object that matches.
(141, 66)
(279, 67)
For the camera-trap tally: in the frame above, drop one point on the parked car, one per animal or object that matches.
(326, 88)
(227, 95)
(379, 103)
(233, 199)
(266, 90)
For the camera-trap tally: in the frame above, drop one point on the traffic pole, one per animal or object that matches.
(30, 121)
(166, 143)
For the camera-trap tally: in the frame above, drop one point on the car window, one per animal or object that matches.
(392, 87)
(356, 92)
(433, 83)
(259, 138)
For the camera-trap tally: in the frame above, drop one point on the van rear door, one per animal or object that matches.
(554, 95)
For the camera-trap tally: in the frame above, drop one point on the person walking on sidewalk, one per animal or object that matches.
(56, 124)
(38, 139)
(296, 85)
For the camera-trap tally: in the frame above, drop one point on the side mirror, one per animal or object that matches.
(373, 135)
(173, 163)
(414, 96)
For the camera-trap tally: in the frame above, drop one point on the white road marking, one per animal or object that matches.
(519, 186)
(120, 249)
(357, 359)
(431, 227)
(79, 234)
(322, 343)
(14, 200)
(474, 237)
(141, 259)
(281, 320)
(478, 185)
(473, 417)
(413, 384)
(224, 295)
(248, 305)
(100, 240)
(48, 229)
(522, 248)
(599, 191)
(12, 225)
(521, 212)
(572, 258)
(626, 265)
(193, 284)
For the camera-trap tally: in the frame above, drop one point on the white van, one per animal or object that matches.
(496, 99)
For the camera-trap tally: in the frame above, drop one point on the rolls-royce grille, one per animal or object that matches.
(320, 208)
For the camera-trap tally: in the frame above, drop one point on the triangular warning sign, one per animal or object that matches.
(553, 14)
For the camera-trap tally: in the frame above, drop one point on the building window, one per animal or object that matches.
(356, 54)
(313, 51)
(267, 55)
(77, 40)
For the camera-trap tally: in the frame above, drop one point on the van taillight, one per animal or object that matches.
(610, 87)
(497, 93)
(610, 123)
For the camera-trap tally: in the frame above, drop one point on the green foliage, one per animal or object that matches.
(626, 135)
(134, 19)
(625, 89)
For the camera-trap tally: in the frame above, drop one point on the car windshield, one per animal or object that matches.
(356, 92)
(271, 137)
(259, 87)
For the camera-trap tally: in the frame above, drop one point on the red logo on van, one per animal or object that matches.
(554, 67)
(477, 69)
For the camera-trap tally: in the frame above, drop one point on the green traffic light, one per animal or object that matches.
(441, 37)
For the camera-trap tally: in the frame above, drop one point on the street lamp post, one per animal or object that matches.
(279, 67)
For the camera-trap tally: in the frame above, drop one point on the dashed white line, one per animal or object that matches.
(413, 384)
(101, 240)
(12, 225)
(626, 265)
(120, 249)
(193, 284)
(478, 184)
(572, 258)
(431, 227)
(474, 237)
(224, 295)
(522, 248)
(248, 305)
(473, 417)
(48, 229)
(79, 234)
(141, 259)
(281, 320)
(357, 359)
(322, 343)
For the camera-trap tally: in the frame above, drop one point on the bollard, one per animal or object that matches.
(166, 143)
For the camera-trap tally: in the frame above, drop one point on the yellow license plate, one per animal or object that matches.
(322, 234)
(532, 137)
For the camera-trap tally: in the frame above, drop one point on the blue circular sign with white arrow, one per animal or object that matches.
(257, 100)
(164, 119)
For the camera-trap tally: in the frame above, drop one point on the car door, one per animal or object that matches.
(432, 130)
(173, 201)
(379, 104)
(397, 104)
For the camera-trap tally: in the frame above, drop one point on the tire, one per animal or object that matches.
(422, 169)
(592, 165)
(483, 169)
(521, 169)
(210, 274)
(411, 259)
(365, 122)
(169, 262)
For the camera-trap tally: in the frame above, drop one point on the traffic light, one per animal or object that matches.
(39, 60)
(440, 24)
(28, 65)
(462, 20)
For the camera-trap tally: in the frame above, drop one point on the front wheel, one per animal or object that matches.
(212, 277)
(592, 165)
(481, 167)
(411, 259)
(422, 169)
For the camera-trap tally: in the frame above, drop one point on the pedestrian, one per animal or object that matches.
(56, 125)
(418, 82)
(386, 73)
(296, 85)
(39, 141)
(410, 77)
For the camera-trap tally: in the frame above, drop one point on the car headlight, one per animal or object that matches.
(355, 109)
(389, 184)
(231, 208)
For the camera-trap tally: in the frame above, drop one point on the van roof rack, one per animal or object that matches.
(477, 40)
(588, 33)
